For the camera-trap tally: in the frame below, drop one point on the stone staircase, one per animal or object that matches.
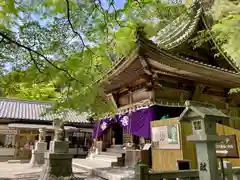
(114, 156)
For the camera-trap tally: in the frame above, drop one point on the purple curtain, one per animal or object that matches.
(136, 123)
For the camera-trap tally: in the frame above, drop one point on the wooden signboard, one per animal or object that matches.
(228, 147)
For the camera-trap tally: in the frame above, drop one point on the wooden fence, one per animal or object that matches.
(187, 150)
(142, 172)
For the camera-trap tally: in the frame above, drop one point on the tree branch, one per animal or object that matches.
(73, 29)
(30, 50)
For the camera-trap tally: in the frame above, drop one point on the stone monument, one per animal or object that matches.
(58, 162)
(37, 158)
(203, 118)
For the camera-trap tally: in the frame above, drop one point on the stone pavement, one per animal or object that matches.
(115, 173)
(18, 171)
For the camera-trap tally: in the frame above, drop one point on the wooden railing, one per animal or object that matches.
(143, 173)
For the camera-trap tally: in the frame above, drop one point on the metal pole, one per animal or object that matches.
(222, 168)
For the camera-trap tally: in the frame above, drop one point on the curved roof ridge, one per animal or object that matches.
(185, 36)
(165, 31)
(180, 29)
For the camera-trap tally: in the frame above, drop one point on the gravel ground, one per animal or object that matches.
(17, 171)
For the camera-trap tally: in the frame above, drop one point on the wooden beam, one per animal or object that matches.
(146, 66)
(198, 91)
(111, 98)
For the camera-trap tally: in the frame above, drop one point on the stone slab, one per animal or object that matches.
(111, 154)
(89, 165)
(16, 171)
(117, 173)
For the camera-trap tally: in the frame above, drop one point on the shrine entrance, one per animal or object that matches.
(117, 133)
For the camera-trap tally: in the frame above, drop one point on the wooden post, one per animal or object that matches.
(228, 167)
(142, 172)
(96, 138)
(129, 130)
(222, 168)
(85, 139)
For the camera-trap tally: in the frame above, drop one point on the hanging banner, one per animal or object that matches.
(166, 137)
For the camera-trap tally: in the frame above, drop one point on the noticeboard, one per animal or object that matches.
(166, 137)
(228, 147)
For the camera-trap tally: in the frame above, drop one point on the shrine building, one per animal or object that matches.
(161, 73)
(20, 121)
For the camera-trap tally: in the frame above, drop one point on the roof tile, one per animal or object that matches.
(35, 110)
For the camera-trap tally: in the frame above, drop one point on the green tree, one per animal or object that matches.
(226, 29)
(59, 49)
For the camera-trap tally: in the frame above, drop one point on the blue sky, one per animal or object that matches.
(119, 3)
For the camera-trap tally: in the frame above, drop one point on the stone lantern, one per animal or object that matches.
(203, 118)
(37, 158)
(58, 161)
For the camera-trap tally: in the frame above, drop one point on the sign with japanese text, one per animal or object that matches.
(228, 147)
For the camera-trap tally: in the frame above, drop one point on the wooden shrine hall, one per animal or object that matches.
(161, 73)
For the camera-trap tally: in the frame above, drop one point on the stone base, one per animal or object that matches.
(59, 147)
(37, 159)
(57, 166)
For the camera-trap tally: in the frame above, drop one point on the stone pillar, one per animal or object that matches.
(58, 162)
(37, 158)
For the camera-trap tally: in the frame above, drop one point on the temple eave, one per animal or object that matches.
(162, 62)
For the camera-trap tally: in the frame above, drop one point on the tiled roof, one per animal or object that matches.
(35, 110)
(181, 29)
(203, 110)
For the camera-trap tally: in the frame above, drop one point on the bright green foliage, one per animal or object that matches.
(227, 28)
(59, 49)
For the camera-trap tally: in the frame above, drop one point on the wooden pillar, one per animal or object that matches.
(85, 139)
(17, 143)
(130, 101)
